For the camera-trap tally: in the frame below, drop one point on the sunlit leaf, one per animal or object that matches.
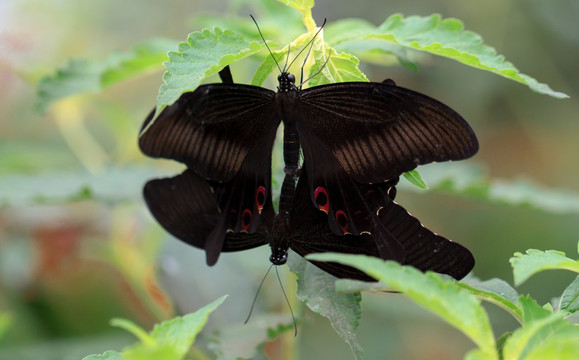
(443, 37)
(304, 7)
(203, 54)
(560, 348)
(169, 340)
(340, 67)
(134, 329)
(544, 332)
(415, 179)
(180, 332)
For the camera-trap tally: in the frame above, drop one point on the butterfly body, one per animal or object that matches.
(356, 140)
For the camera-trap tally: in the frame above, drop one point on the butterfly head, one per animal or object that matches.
(287, 82)
(278, 256)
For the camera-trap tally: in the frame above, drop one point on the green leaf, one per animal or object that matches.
(570, 299)
(347, 30)
(304, 7)
(77, 77)
(338, 68)
(495, 291)
(414, 177)
(443, 37)
(281, 26)
(341, 67)
(134, 329)
(243, 341)
(560, 348)
(300, 5)
(348, 286)
(139, 352)
(203, 54)
(267, 67)
(501, 342)
(85, 76)
(532, 311)
(169, 340)
(525, 266)
(316, 288)
(180, 332)
(142, 58)
(478, 354)
(538, 334)
(338, 33)
(445, 298)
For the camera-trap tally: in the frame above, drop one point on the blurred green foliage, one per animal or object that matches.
(77, 247)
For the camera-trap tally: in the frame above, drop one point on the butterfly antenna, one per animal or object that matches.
(288, 303)
(285, 67)
(265, 43)
(317, 72)
(257, 293)
(309, 43)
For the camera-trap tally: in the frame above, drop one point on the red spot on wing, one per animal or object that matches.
(342, 220)
(322, 199)
(260, 198)
(246, 218)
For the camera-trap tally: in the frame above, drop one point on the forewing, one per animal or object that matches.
(211, 129)
(377, 131)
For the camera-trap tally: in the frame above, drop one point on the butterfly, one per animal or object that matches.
(356, 139)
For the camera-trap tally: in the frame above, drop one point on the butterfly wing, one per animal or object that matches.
(188, 207)
(377, 131)
(361, 133)
(314, 231)
(212, 129)
(349, 210)
(224, 133)
(422, 248)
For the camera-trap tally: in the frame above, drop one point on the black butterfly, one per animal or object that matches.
(357, 138)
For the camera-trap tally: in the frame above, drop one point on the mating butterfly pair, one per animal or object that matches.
(356, 138)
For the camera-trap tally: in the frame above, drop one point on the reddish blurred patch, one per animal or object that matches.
(58, 249)
(157, 294)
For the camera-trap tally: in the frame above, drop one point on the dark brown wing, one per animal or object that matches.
(212, 129)
(188, 207)
(377, 131)
(350, 211)
(425, 250)
(312, 228)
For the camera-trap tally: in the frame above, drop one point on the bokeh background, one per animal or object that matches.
(70, 261)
